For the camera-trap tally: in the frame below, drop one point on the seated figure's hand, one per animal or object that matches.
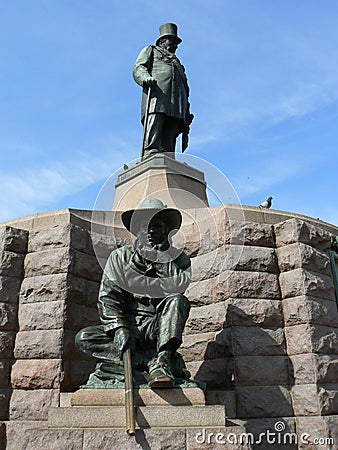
(122, 340)
(149, 82)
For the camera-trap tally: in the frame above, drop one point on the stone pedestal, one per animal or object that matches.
(154, 408)
(175, 183)
(264, 327)
(142, 397)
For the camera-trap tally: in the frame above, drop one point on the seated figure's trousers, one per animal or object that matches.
(164, 327)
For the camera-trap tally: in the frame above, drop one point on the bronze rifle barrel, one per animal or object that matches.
(129, 393)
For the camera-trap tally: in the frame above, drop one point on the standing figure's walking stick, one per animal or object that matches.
(129, 393)
(145, 123)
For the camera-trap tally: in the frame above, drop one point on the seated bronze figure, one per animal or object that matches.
(142, 305)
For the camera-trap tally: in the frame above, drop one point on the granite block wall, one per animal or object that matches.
(263, 320)
(13, 246)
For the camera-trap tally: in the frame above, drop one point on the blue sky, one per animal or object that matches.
(264, 90)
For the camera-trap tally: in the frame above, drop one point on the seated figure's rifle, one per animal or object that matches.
(129, 393)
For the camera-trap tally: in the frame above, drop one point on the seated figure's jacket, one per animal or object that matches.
(131, 287)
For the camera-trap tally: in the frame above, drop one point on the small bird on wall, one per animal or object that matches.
(267, 204)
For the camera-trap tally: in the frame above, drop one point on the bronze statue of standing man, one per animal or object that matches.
(165, 99)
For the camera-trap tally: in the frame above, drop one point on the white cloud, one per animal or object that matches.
(28, 191)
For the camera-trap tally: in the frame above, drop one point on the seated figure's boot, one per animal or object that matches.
(160, 375)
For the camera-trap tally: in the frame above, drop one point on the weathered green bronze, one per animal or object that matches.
(142, 305)
(165, 99)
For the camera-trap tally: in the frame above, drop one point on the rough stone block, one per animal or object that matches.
(44, 288)
(76, 373)
(296, 230)
(208, 265)
(309, 368)
(261, 370)
(305, 400)
(47, 238)
(229, 438)
(286, 438)
(13, 239)
(32, 405)
(8, 317)
(234, 257)
(201, 234)
(328, 398)
(191, 244)
(196, 347)
(217, 373)
(7, 339)
(11, 264)
(144, 439)
(5, 395)
(37, 374)
(42, 315)
(252, 258)
(226, 397)
(55, 315)
(85, 266)
(5, 371)
(9, 289)
(299, 255)
(62, 286)
(303, 282)
(47, 262)
(44, 439)
(263, 401)
(15, 432)
(92, 290)
(2, 435)
(241, 284)
(254, 312)
(39, 344)
(307, 338)
(313, 400)
(59, 236)
(69, 349)
(326, 368)
(200, 293)
(304, 309)
(331, 427)
(253, 341)
(79, 316)
(101, 245)
(206, 318)
(303, 368)
(311, 428)
(250, 233)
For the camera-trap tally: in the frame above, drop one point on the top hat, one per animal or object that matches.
(149, 208)
(169, 30)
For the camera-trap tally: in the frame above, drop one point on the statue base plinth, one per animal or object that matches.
(154, 408)
(160, 176)
(142, 397)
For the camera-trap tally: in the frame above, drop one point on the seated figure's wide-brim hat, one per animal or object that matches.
(133, 219)
(169, 30)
